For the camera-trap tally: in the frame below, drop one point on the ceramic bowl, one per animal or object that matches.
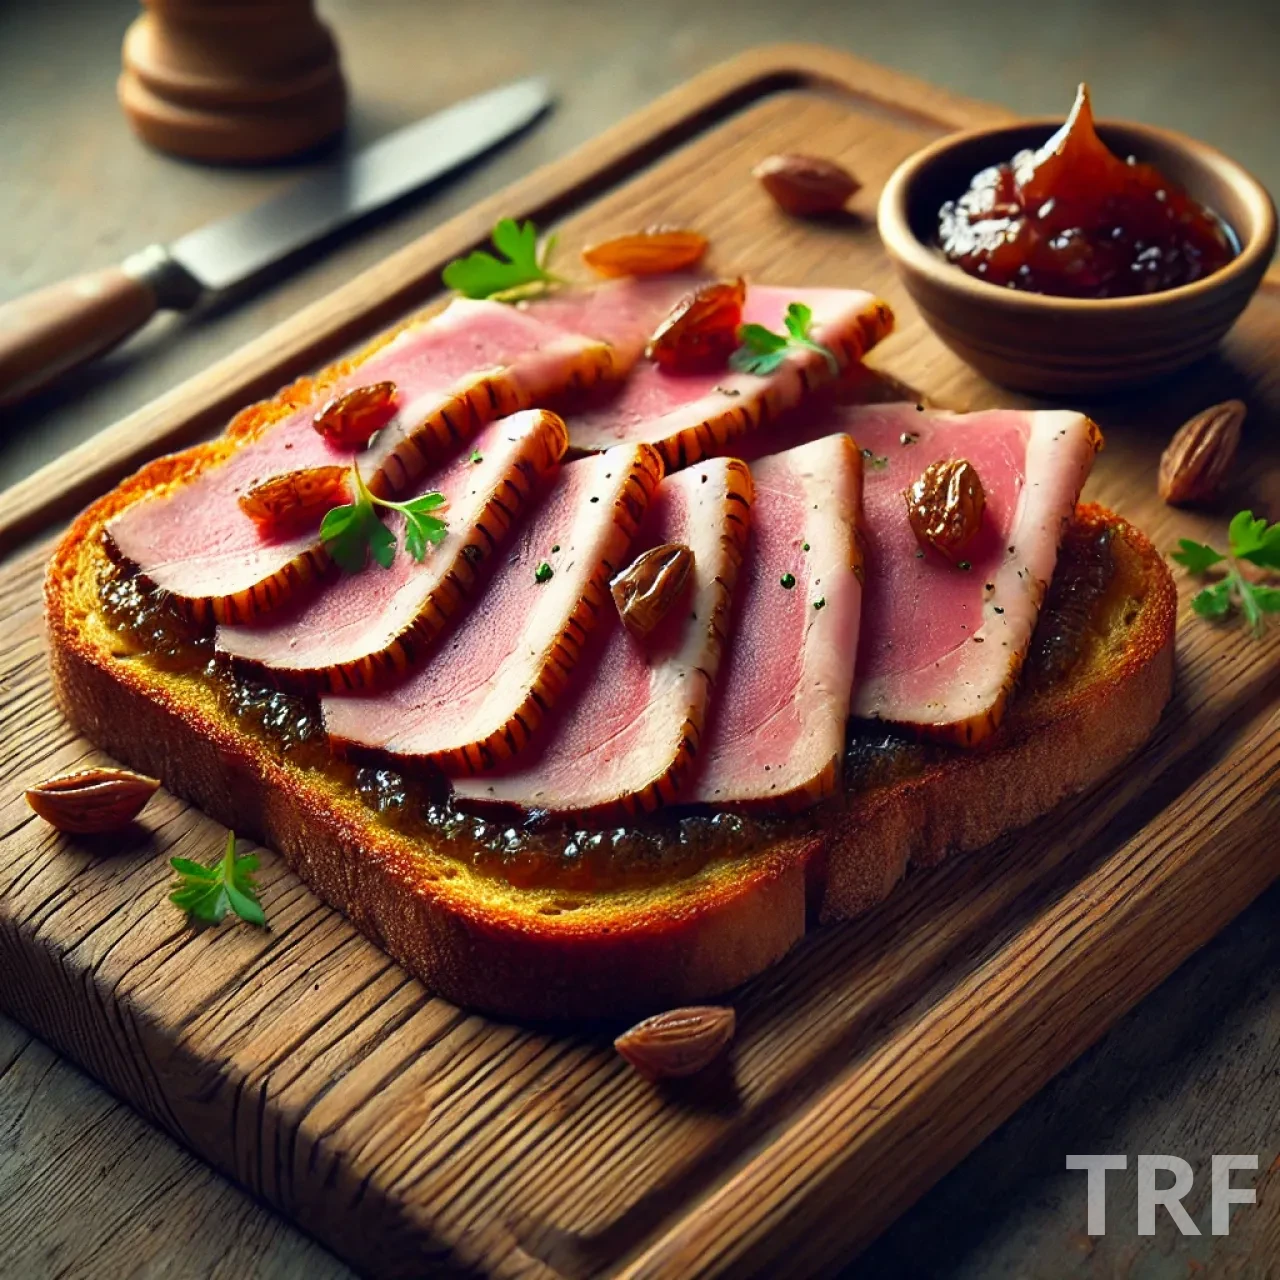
(1033, 342)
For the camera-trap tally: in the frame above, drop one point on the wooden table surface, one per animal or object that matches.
(88, 1189)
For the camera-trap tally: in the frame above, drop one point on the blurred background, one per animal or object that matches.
(85, 1187)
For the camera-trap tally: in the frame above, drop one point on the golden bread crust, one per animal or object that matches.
(512, 953)
(1049, 750)
(519, 953)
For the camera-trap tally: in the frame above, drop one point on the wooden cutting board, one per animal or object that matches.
(411, 1136)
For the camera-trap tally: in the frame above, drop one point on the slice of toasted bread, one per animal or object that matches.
(1059, 736)
(564, 949)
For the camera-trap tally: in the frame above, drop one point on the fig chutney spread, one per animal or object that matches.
(1074, 220)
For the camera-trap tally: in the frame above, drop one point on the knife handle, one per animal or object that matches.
(48, 332)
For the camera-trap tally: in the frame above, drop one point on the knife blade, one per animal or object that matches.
(48, 332)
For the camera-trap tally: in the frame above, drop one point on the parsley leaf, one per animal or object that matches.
(206, 894)
(763, 351)
(421, 527)
(350, 532)
(1255, 541)
(1251, 540)
(761, 343)
(382, 542)
(521, 268)
(353, 532)
(1196, 556)
(1267, 599)
(1214, 601)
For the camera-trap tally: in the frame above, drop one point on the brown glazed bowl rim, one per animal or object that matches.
(998, 143)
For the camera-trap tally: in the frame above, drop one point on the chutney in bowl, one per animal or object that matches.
(1058, 345)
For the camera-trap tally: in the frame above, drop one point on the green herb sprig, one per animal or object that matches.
(206, 894)
(763, 351)
(521, 271)
(353, 532)
(1251, 540)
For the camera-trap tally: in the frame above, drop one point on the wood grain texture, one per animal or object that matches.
(109, 1168)
(1190, 1071)
(412, 1136)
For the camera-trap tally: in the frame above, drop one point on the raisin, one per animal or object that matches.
(701, 332)
(349, 419)
(296, 499)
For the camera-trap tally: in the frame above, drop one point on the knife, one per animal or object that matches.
(47, 332)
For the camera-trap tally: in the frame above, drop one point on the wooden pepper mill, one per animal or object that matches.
(232, 80)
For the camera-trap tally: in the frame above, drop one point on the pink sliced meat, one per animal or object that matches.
(695, 415)
(942, 645)
(627, 734)
(490, 681)
(777, 729)
(623, 313)
(474, 362)
(370, 625)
